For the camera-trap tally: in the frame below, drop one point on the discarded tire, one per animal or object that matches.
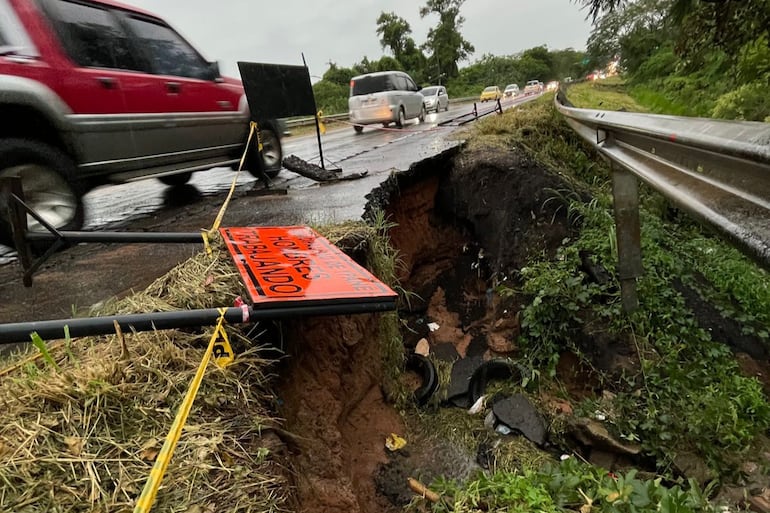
(427, 371)
(488, 371)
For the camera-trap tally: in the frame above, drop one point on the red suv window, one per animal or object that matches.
(169, 53)
(93, 36)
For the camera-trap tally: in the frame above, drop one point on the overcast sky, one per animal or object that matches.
(344, 31)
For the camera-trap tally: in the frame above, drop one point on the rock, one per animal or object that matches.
(603, 459)
(500, 343)
(759, 504)
(692, 466)
(508, 323)
(749, 467)
(593, 434)
(518, 413)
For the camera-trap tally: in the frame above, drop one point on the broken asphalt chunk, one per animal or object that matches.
(518, 413)
(459, 382)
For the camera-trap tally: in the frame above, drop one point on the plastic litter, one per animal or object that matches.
(503, 429)
(423, 347)
(394, 442)
(478, 406)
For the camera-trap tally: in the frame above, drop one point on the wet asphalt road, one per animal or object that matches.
(376, 151)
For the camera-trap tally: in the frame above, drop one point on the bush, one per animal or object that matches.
(660, 64)
(330, 97)
(754, 60)
(749, 102)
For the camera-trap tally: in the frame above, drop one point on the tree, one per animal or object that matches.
(598, 7)
(634, 32)
(568, 63)
(727, 24)
(445, 44)
(338, 76)
(394, 33)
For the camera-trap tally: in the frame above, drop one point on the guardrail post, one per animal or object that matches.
(625, 191)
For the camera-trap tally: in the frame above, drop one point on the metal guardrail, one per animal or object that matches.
(718, 171)
(290, 123)
(343, 117)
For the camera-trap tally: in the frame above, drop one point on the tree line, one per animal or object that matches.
(706, 58)
(437, 60)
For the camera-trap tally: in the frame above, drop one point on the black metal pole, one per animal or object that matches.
(315, 115)
(84, 327)
(139, 237)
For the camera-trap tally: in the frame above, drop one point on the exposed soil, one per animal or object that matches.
(331, 396)
(462, 225)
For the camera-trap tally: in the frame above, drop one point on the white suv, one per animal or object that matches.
(384, 97)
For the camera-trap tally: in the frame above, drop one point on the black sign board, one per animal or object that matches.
(277, 90)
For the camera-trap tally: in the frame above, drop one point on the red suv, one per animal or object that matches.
(95, 92)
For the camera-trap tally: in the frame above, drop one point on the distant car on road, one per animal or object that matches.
(95, 92)
(511, 90)
(436, 98)
(533, 87)
(552, 86)
(384, 97)
(490, 93)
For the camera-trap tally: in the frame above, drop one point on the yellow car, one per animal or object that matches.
(491, 93)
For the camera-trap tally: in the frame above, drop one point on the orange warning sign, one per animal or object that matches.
(293, 263)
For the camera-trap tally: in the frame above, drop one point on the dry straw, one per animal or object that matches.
(84, 439)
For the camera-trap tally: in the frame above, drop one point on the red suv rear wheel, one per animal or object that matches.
(49, 182)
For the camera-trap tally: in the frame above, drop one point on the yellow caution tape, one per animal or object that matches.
(147, 499)
(205, 236)
(321, 124)
(223, 353)
(253, 128)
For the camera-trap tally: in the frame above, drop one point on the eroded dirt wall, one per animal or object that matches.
(333, 402)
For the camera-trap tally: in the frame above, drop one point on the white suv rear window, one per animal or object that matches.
(371, 84)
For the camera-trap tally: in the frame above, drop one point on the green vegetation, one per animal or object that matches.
(572, 486)
(683, 393)
(708, 59)
(609, 94)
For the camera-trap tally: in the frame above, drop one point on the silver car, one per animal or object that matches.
(384, 97)
(436, 98)
(511, 91)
